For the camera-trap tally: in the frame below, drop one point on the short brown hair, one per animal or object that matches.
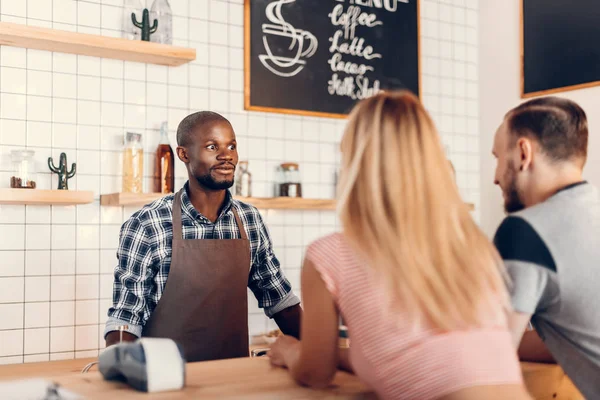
(557, 124)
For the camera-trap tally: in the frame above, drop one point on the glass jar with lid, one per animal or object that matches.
(290, 185)
(23, 169)
(133, 163)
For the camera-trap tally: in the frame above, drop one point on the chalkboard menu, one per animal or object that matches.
(319, 57)
(560, 45)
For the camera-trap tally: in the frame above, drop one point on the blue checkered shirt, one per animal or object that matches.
(144, 258)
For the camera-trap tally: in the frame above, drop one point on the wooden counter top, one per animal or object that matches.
(253, 378)
(549, 382)
(247, 378)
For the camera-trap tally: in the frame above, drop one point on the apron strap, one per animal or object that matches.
(239, 223)
(177, 231)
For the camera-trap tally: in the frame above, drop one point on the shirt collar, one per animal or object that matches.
(571, 186)
(189, 209)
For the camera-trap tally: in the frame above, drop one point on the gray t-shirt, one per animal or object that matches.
(552, 253)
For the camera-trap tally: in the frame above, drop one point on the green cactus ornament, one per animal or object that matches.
(63, 175)
(145, 24)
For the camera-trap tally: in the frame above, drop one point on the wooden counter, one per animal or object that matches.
(549, 382)
(254, 378)
(247, 378)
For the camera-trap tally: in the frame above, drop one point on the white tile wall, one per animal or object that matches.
(57, 262)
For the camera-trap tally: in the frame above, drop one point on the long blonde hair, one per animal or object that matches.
(400, 208)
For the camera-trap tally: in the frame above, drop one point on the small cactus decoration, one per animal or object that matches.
(63, 175)
(145, 24)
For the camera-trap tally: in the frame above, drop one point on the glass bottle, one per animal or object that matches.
(161, 10)
(243, 181)
(164, 166)
(23, 169)
(128, 30)
(133, 163)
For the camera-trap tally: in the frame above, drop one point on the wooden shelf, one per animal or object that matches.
(45, 197)
(272, 203)
(289, 203)
(128, 199)
(132, 199)
(33, 37)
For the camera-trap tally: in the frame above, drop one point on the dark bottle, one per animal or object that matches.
(164, 167)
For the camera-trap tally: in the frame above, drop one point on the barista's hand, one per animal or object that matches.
(284, 351)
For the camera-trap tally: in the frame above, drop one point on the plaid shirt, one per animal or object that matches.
(144, 257)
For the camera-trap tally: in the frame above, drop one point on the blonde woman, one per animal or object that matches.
(419, 286)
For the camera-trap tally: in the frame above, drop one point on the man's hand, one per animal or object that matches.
(286, 349)
(288, 321)
(114, 336)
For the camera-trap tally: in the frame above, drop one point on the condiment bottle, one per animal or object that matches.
(164, 166)
(243, 181)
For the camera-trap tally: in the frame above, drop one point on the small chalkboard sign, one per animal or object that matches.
(560, 45)
(319, 57)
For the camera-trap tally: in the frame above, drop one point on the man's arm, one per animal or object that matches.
(530, 345)
(533, 349)
(114, 337)
(271, 288)
(289, 320)
(132, 284)
(533, 286)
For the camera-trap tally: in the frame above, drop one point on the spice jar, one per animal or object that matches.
(133, 163)
(290, 185)
(23, 169)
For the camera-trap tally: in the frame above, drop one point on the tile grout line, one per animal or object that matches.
(52, 148)
(75, 207)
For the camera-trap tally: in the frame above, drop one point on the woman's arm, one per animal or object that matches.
(344, 360)
(314, 360)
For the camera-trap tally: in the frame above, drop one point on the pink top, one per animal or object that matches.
(413, 361)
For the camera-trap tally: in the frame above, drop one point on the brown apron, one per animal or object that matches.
(204, 304)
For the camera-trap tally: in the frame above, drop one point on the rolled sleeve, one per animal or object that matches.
(288, 301)
(113, 324)
(133, 277)
(267, 281)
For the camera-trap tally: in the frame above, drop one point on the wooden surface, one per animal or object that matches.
(45, 197)
(247, 378)
(273, 203)
(128, 199)
(549, 382)
(33, 37)
(256, 379)
(132, 199)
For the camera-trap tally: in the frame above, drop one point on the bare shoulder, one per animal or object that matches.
(332, 241)
(329, 249)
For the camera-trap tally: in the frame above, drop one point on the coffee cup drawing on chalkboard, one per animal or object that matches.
(287, 47)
